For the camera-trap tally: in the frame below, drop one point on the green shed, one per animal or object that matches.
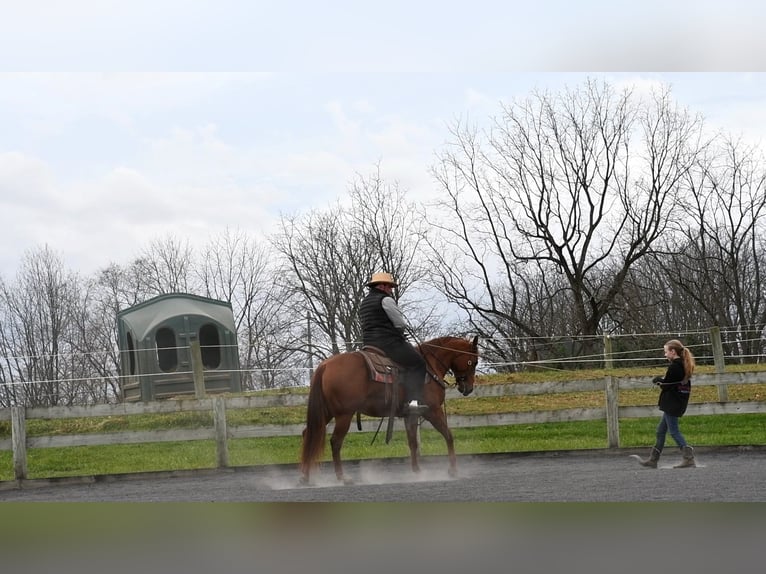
(155, 341)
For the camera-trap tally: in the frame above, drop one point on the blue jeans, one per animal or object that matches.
(669, 424)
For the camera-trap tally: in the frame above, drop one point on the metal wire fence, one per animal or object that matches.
(714, 346)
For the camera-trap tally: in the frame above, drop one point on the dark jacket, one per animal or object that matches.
(676, 389)
(377, 328)
(380, 331)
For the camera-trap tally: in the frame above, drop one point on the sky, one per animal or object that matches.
(123, 122)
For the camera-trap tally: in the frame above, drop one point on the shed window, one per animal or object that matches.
(210, 345)
(167, 353)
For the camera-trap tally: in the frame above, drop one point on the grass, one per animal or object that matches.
(296, 415)
(716, 430)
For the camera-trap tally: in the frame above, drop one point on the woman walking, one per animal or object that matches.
(674, 397)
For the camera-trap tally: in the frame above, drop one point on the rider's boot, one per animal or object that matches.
(414, 392)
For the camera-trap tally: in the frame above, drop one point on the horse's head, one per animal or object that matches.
(463, 365)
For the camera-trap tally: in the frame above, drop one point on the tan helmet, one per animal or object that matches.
(378, 278)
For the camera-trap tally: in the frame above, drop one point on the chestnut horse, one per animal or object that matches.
(342, 386)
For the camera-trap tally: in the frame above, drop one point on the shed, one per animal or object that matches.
(155, 339)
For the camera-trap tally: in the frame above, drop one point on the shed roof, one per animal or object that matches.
(144, 317)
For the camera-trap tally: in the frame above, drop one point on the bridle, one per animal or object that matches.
(460, 377)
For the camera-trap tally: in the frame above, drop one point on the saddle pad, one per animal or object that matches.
(382, 369)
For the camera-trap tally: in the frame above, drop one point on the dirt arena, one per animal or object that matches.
(722, 475)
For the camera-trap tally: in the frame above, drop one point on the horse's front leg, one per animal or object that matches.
(439, 421)
(411, 426)
(342, 425)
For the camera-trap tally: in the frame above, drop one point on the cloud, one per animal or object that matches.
(101, 163)
(109, 219)
(29, 202)
(22, 179)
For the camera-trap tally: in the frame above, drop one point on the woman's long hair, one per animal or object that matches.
(686, 355)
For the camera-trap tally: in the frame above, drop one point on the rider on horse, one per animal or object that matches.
(384, 326)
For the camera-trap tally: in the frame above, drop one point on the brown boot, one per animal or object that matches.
(651, 462)
(688, 458)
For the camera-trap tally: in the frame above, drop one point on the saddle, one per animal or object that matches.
(382, 369)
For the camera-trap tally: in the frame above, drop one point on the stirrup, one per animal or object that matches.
(414, 408)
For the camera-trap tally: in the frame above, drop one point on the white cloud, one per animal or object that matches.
(193, 154)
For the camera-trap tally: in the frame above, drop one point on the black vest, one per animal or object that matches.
(377, 328)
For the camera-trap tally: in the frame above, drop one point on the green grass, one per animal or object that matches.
(115, 459)
(296, 415)
(715, 430)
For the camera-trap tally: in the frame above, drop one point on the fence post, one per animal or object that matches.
(19, 441)
(219, 425)
(198, 371)
(718, 359)
(612, 388)
(608, 363)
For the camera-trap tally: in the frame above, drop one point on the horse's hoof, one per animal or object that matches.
(346, 481)
(452, 473)
(303, 481)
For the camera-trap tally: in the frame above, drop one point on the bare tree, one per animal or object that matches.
(571, 189)
(122, 287)
(330, 255)
(112, 289)
(39, 313)
(393, 227)
(11, 391)
(94, 345)
(232, 269)
(326, 263)
(237, 269)
(382, 216)
(717, 256)
(165, 266)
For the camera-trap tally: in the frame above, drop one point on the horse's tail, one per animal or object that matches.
(316, 424)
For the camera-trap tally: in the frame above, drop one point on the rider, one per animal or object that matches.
(384, 326)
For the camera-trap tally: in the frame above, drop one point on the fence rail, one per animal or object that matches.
(222, 433)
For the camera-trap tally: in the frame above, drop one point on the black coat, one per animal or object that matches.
(377, 328)
(676, 389)
(379, 331)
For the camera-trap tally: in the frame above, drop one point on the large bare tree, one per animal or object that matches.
(550, 208)
(43, 361)
(325, 265)
(165, 266)
(717, 256)
(238, 269)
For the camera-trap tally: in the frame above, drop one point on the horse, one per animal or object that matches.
(342, 386)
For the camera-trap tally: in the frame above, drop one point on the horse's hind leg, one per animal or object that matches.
(342, 424)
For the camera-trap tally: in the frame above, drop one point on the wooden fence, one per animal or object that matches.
(221, 432)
